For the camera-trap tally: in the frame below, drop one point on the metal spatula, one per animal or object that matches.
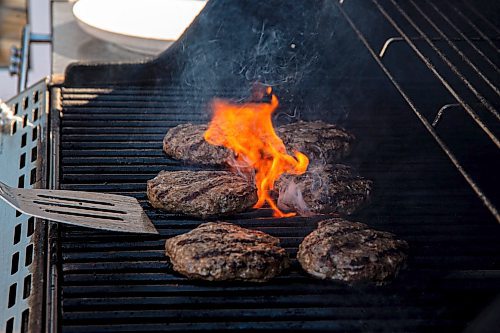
(88, 209)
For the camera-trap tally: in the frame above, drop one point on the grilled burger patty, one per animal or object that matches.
(323, 189)
(185, 142)
(351, 252)
(201, 193)
(219, 251)
(317, 140)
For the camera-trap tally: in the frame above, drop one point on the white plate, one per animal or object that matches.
(145, 26)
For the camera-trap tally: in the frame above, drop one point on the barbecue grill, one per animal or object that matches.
(415, 81)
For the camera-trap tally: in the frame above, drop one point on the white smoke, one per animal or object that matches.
(290, 198)
(242, 167)
(291, 192)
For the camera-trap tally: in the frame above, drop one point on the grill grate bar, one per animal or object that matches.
(476, 29)
(233, 314)
(459, 31)
(463, 57)
(481, 16)
(291, 287)
(455, 70)
(77, 278)
(238, 303)
(296, 326)
(435, 72)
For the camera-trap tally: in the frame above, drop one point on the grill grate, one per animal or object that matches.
(463, 68)
(111, 142)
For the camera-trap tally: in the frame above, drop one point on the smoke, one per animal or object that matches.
(275, 60)
(298, 193)
(304, 49)
(235, 44)
(290, 198)
(242, 167)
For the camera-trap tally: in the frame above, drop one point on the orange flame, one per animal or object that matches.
(247, 130)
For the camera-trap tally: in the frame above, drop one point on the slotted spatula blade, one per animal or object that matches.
(87, 209)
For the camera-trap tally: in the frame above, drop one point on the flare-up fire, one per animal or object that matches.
(248, 131)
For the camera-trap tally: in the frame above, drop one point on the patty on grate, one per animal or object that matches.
(219, 251)
(323, 189)
(351, 252)
(317, 140)
(201, 193)
(185, 142)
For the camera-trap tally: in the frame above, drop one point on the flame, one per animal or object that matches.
(248, 131)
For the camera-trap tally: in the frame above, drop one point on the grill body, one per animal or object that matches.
(415, 81)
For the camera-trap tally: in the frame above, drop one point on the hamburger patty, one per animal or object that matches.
(317, 140)
(323, 189)
(185, 142)
(219, 251)
(201, 193)
(351, 252)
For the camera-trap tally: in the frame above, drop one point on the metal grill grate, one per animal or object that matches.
(464, 67)
(111, 142)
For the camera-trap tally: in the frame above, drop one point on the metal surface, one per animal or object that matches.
(85, 209)
(52, 308)
(22, 164)
(111, 141)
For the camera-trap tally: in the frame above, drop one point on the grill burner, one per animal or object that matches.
(115, 117)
